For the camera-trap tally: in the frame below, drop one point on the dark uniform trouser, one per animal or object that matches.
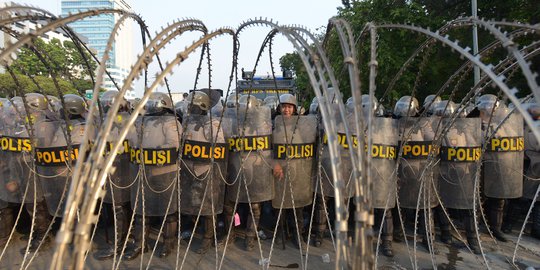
(387, 226)
(495, 208)
(6, 224)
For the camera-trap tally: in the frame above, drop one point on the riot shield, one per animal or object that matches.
(157, 157)
(415, 171)
(503, 159)
(294, 141)
(250, 155)
(383, 162)
(204, 167)
(118, 182)
(459, 160)
(531, 180)
(326, 183)
(54, 159)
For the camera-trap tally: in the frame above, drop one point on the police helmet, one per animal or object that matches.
(445, 108)
(534, 110)
(367, 105)
(249, 101)
(288, 99)
(406, 106)
(271, 101)
(158, 102)
(36, 101)
(487, 103)
(199, 99)
(74, 104)
(108, 99)
(430, 102)
(232, 100)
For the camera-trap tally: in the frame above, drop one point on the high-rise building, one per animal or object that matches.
(97, 30)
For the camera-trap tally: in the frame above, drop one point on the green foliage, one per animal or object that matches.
(63, 60)
(433, 66)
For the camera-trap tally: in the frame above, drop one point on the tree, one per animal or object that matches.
(63, 58)
(8, 87)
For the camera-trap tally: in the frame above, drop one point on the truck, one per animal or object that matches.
(263, 86)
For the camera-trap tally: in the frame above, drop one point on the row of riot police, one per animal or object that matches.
(200, 159)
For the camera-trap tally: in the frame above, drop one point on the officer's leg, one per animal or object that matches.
(320, 220)
(535, 219)
(41, 223)
(426, 227)
(470, 231)
(298, 224)
(495, 208)
(169, 235)
(228, 210)
(444, 225)
(139, 233)
(387, 231)
(252, 223)
(208, 237)
(510, 214)
(6, 225)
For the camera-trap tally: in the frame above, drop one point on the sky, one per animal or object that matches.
(312, 14)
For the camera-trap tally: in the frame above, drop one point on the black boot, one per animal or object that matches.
(387, 230)
(41, 224)
(444, 225)
(427, 233)
(228, 210)
(495, 216)
(470, 231)
(169, 236)
(135, 248)
(386, 248)
(120, 230)
(509, 215)
(535, 219)
(297, 242)
(6, 225)
(208, 237)
(251, 227)
(320, 221)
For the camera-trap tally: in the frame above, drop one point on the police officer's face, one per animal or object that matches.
(287, 109)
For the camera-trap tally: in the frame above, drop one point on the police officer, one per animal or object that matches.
(202, 183)
(6, 213)
(532, 170)
(250, 154)
(502, 166)
(459, 160)
(430, 103)
(415, 174)
(294, 140)
(156, 151)
(116, 201)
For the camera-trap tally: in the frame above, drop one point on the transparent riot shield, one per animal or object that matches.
(415, 172)
(119, 181)
(250, 155)
(204, 167)
(55, 160)
(459, 160)
(157, 157)
(294, 141)
(383, 162)
(326, 183)
(531, 180)
(503, 159)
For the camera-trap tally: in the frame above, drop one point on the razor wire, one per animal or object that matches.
(319, 72)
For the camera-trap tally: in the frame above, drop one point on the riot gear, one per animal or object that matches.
(368, 106)
(272, 102)
(198, 99)
(248, 101)
(232, 101)
(288, 99)
(430, 103)
(108, 99)
(406, 106)
(158, 103)
(445, 108)
(74, 104)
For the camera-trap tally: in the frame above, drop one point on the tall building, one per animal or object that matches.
(97, 30)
